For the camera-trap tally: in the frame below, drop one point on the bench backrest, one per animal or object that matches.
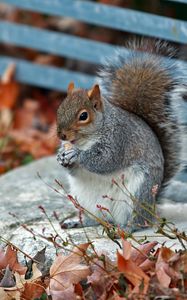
(75, 47)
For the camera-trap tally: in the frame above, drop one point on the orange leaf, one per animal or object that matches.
(8, 74)
(78, 289)
(32, 290)
(25, 116)
(9, 89)
(140, 255)
(8, 94)
(127, 249)
(132, 272)
(10, 258)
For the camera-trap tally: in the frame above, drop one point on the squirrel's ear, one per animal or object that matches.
(71, 87)
(95, 96)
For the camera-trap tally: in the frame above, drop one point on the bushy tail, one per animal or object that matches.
(149, 86)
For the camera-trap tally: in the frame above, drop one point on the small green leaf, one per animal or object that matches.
(27, 159)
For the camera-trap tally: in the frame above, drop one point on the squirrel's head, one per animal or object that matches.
(79, 114)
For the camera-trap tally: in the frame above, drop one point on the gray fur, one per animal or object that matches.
(163, 92)
(123, 141)
(125, 138)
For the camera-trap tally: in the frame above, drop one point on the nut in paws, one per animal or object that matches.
(68, 157)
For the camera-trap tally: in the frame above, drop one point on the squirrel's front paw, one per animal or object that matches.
(67, 157)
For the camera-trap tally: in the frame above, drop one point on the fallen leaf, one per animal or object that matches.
(9, 295)
(35, 142)
(140, 254)
(163, 270)
(8, 278)
(100, 278)
(5, 120)
(10, 258)
(117, 297)
(147, 265)
(9, 89)
(67, 270)
(78, 289)
(67, 294)
(29, 289)
(127, 249)
(26, 116)
(32, 290)
(3, 295)
(133, 273)
(40, 258)
(8, 74)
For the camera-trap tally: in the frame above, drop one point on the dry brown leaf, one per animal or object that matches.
(117, 297)
(140, 255)
(8, 278)
(79, 290)
(133, 273)
(67, 294)
(32, 290)
(127, 249)
(67, 270)
(35, 142)
(8, 74)
(165, 273)
(10, 258)
(9, 295)
(8, 94)
(9, 89)
(3, 295)
(161, 268)
(6, 117)
(163, 277)
(27, 136)
(2, 168)
(100, 278)
(26, 116)
(34, 286)
(147, 265)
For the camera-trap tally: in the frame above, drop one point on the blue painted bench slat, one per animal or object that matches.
(75, 47)
(45, 76)
(110, 16)
(53, 42)
(178, 1)
(57, 43)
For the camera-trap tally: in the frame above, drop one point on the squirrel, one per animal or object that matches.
(124, 134)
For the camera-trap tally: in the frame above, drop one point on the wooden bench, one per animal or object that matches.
(77, 48)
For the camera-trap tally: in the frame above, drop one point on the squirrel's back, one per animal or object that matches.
(149, 86)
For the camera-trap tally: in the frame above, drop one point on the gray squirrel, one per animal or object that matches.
(124, 127)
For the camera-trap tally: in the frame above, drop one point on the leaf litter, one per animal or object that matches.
(27, 123)
(149, 271)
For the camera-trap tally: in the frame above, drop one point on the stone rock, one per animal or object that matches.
(25, 188)
(22, 191)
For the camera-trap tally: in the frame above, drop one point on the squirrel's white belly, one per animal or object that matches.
(93, 190)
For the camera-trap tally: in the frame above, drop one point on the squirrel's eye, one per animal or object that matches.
(83, 116)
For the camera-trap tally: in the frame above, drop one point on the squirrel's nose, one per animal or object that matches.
(63, 136)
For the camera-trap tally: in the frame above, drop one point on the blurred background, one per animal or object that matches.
(28, 106)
